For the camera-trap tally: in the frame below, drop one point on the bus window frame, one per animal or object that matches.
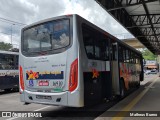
(52, 51)
(96, 34)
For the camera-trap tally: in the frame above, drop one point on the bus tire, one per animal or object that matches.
(122, 89)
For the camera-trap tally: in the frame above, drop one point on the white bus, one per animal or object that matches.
(68, 61)
(9, 75)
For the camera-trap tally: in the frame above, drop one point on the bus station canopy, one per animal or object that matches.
(140, 17)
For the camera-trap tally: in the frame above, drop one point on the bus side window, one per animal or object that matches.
(121, 54)
(104, 52)
(101, 47)
(97, 52)
(115, 55)
(1, 68)
(127, 55)
(95, 43)
(88, 43)
(97, 49)
(105, 47)
(124, 55)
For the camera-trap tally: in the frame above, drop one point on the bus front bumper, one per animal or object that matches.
(46, 98)
(59, 99)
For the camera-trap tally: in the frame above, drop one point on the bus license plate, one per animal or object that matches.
(43, 97)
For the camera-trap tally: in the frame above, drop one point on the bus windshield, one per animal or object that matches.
(47, 36)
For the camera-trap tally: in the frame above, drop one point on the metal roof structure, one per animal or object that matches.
(133, 42)
(140, 17)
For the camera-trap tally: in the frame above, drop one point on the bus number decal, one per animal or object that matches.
(57, 84)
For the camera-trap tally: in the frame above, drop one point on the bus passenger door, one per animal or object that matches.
(114, 68)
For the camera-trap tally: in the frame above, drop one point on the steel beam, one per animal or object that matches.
(150, 21)
(128, 22)
(145, 19)
(126, 3)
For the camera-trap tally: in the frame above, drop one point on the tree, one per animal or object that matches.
(5, 46)
(147, 55)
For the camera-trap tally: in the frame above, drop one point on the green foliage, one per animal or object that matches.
(147, 55)
(5, 46)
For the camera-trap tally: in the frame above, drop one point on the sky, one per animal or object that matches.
(30, 11)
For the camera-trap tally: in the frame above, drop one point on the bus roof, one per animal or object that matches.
(66, 16)
(111, 36)
(48, 19)
(9, 52)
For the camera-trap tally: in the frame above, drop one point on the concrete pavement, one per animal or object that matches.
(140, 105)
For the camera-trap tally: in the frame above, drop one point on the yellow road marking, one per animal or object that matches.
(132, 103)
